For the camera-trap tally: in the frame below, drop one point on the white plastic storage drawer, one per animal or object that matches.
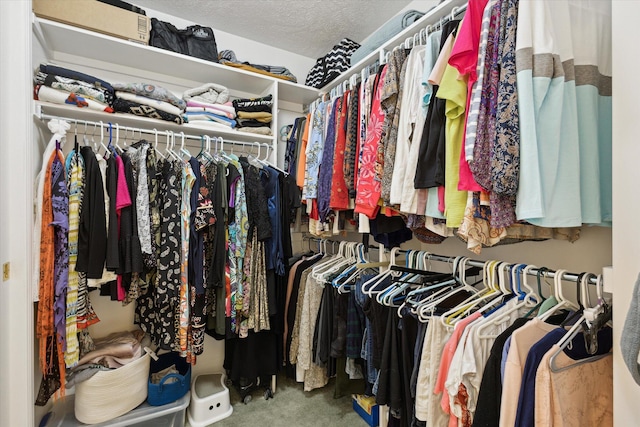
(145, 415)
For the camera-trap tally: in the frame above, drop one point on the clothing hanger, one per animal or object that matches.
(347, 258)
(205, 145)
(423, 282)
(183, 149)
(271, 165)
(426, 307)
(527, 299)
(171, 146)
(110, 148)
(85, 137)
(116, 144)
(369, 286)
(454, 12)
(589, 329)
(155, 144)
(491, 296)
(124, 140)
(386, 296)
(337, 282)
(343, 260)
(540, 273)
(562, 301)
(359, 267)
(319, 267)
(75, 137)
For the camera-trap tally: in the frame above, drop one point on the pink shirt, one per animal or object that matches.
(123, 199)
(464, 58)
(368, 187)
(447, 355)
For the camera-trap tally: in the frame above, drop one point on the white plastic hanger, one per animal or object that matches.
(577, 327)
(490, 281)
(370, 285)
(562, 301)
(183, 149)
(155, 144)
(427, 306)
(528, 300)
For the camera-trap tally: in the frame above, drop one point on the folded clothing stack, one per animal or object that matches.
(254, 114)
(228, 57)
(64, 86)
(209, 105)
(148, 100)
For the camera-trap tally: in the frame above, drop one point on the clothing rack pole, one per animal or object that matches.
(533, 272)
(455, 11)
(438, 15)
(544, 272)
(105, 125)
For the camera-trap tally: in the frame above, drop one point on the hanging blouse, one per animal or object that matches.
(391, 101)
(476, 90)
(92, 234)
(368, 190)
(75, 181)
(326, 168)
(314, 153)
(188, 180)
(352, 149)
(167, 283)
(60, 224)
(454, 92)
(339, 194)
(302, 153)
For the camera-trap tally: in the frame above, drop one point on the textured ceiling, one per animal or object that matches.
(306, 27)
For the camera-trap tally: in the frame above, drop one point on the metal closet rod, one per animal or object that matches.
(320, 239)
(545, 272)
(44, 116)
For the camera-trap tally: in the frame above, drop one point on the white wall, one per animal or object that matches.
(626, 204)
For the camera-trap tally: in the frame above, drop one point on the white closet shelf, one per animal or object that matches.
(132, 121)
(432, 17)
(65, 43)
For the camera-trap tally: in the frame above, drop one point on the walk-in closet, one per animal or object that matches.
(387, 213)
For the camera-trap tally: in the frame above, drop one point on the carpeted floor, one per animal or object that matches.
(292, 407)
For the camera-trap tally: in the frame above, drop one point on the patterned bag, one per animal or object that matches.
(330, 66)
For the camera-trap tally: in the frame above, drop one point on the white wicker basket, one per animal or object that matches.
(109, 394)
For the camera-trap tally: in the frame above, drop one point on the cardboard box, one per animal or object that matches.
(96, 16)
(366, 407)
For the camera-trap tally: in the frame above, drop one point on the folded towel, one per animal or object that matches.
(151, 91)
(209, 92)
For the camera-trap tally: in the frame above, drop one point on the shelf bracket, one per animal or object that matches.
(37, 30)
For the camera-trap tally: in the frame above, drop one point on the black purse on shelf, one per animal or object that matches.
(195, 40)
